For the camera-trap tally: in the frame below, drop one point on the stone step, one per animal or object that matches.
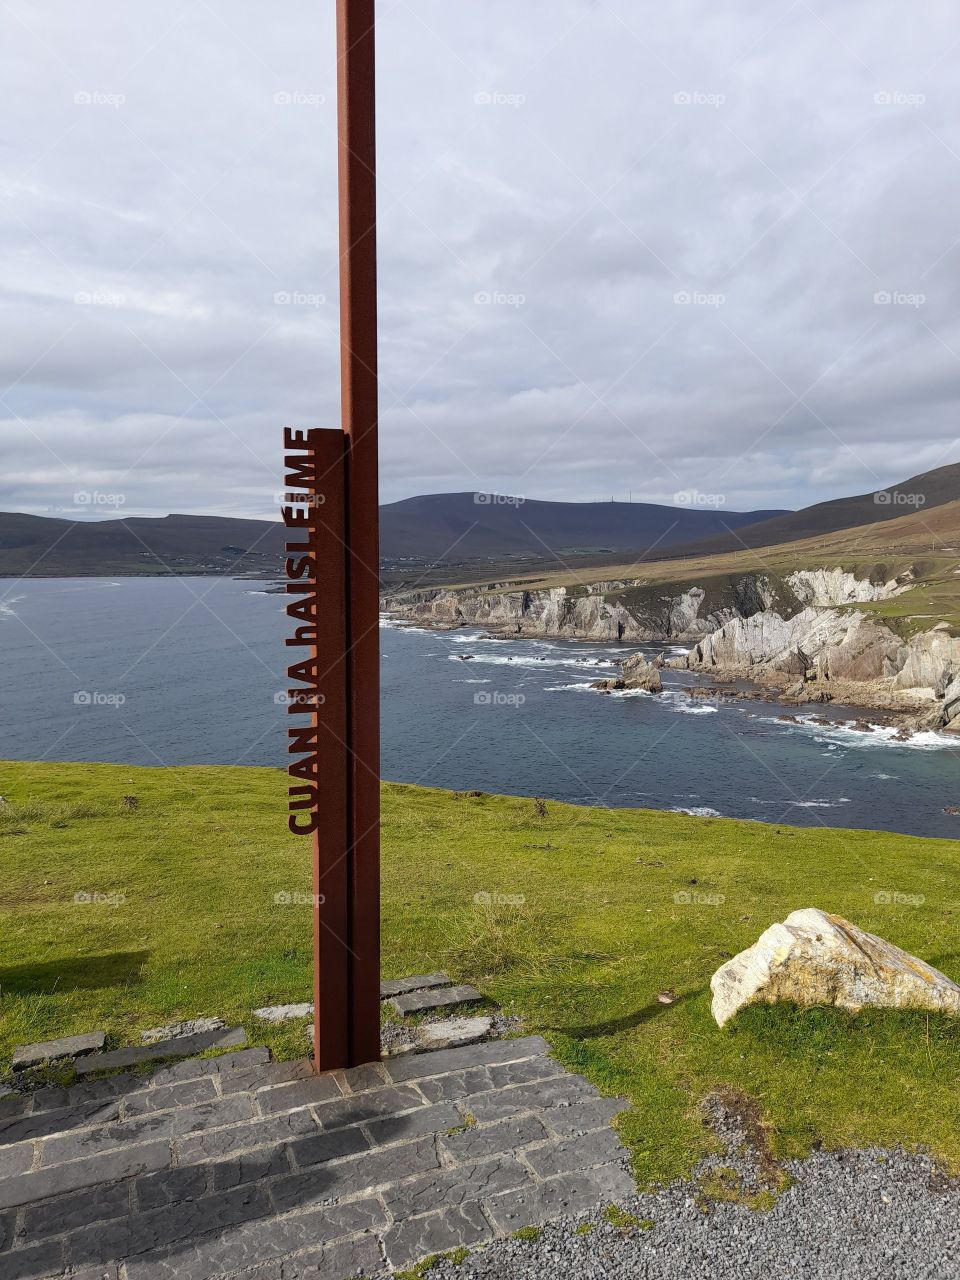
(30, 1055)
(178, 1047)
(441, 998)
(421, 982)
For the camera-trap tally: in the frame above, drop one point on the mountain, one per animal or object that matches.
(920, 493)
(452, 528)
(470, 526)
(41, 546)
(467, 535)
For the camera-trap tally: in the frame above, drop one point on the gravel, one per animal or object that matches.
(872, 1215)
(866, 1214)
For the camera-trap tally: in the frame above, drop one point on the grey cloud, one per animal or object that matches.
(552, 176)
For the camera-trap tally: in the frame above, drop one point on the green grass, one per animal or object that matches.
(583, 916)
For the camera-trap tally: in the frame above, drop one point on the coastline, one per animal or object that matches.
(908, 710)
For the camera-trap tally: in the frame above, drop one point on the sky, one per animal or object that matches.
(626, 249)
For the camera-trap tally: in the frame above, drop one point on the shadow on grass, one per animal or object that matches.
(615, 1026)
(75, 973)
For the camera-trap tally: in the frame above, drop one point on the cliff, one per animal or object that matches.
(801, 631)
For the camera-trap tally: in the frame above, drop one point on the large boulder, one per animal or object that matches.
(638, 673)
(813, 958)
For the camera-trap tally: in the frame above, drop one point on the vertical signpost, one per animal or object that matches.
(333, 584)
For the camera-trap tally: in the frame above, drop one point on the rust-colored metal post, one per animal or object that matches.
(356, 113)
(333, 571)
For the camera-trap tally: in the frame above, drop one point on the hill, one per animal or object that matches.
(465, 537)
(456, 527)
(39, 546)
(920, 493)
(451, 529)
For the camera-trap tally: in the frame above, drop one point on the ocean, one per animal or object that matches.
(163, 671)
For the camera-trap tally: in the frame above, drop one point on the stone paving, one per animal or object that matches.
(238, 1166)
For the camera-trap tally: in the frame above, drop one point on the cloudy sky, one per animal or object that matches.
(625, 248)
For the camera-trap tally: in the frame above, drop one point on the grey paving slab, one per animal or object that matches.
(181, 1047)
(438, 998)
(456, 1186)
(298, 1093)
(527, 1071)
(114, 1086)
(243, 1137)
(321, 1147)
(76, 1209)
(165, 1124)
(125, 1162)
(449, 1033)
(37, 1260)
(168, 1186)
(357, 1079)
(254, 1166)
(421, 1066)
(221, 1066)
(264, 1075)
(14, 1160)
(368, 1106)
(475, 1142)
(28, 1055)
(175, 1030)
(561, 1091)
(420, 982)
(415, 1238)
(570, 1193)
(254, 1244)
(355, 1257)
(351, 1177)
(571, 1155)
(415, 1124)
(583, 1116)
(40, 1124)
(283, 1012)
(161, 1098)
(458, 1084)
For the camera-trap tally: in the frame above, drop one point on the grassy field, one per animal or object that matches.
(583, 916)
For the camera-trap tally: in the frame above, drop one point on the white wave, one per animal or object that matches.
(816, 804)
(473, 681)
(499, 660)
(388, 624)
(699, 811)
(850, 733)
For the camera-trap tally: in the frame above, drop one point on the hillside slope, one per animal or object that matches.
(923, 493)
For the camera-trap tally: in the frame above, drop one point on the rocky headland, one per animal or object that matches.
(799, 637)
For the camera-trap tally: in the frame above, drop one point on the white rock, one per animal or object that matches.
(813, 958)
(190, 1027)
(450, 1033)
(283, 1012)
